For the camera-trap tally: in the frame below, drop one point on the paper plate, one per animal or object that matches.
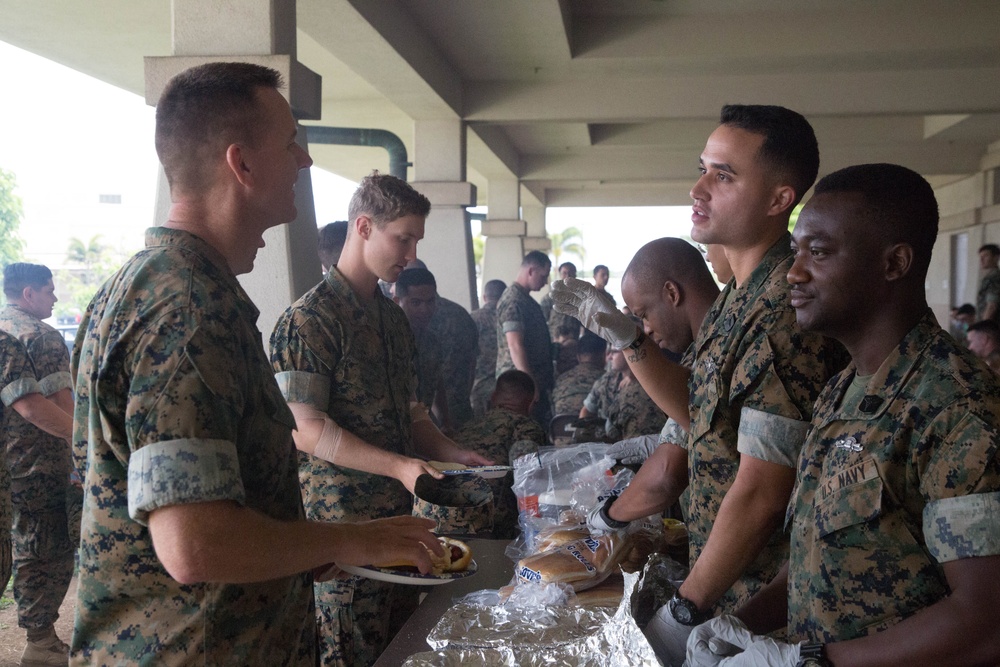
(411, 578)
(486, 472)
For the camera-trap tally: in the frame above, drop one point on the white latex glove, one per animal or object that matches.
(597, 521)
(726, 635)
(634, 450)
(594, 310)
(668, 637)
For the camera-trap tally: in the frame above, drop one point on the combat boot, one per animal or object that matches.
(49, 651)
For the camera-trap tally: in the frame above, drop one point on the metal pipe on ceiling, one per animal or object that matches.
(358, 136)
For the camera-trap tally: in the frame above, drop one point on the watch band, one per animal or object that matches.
(686, 612)
(637, 343)
(813, 655)
(612, 523)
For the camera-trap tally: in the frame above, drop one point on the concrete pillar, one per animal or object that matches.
(504, 231)
(261, 32)
(439, 174)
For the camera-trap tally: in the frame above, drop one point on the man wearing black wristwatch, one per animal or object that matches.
(755, 374)
(894, 558)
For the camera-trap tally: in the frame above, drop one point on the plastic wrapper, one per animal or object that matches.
(582, 563)
(517, 635)
(561, 485)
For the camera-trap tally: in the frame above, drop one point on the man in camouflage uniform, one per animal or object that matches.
(573, 386)
(416, 293)
(486, 361)
(194, 547)
(557, 319)
(755, 374)
(633, 412)
(40, 468)
(984, 342)
(344, 357)
(523, 340)
(453, 323)
(503, 434)
(894, 557)
(21, 399)
(988, 297)
(668, 286)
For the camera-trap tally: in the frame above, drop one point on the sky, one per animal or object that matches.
(65, 161)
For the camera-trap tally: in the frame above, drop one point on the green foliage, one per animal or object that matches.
(568, 241)
(794, 217)
(478, 250)
(11, 211)
(96, 261)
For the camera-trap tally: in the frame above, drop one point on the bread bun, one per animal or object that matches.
(456, 558)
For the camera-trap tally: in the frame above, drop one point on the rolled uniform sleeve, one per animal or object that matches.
(17, 378)
(770, 437)
(303, 374)
(673, 433)
(51, 360)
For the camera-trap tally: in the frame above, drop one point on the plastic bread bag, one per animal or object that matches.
(582, 563)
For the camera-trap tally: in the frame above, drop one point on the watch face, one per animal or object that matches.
(682, 611)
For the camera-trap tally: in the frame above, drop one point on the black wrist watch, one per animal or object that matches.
(686, 612)
(612, 523)
(637, 343)
(813, 655)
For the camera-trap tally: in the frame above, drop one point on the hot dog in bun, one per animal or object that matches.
(456, 558)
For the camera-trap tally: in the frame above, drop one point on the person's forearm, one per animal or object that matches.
(64, 399)
(958, 630)
(431, 443)
(353, 452)
(752, 510)
(664, 381)
(518, 355)
(657, 485)
(46, 415)
(767, 611)
(223, 542)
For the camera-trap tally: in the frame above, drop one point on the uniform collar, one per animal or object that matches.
(889, 379)
(338, 283)
(218, 266)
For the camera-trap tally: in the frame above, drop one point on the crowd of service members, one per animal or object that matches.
(833, 450)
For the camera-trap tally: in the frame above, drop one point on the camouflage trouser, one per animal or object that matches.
(5, 525)
(358, 618)
(43, 555)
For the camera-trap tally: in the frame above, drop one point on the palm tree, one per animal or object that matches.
(90, 255)
(569, 241)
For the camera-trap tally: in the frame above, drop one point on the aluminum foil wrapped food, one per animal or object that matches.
(517, 634)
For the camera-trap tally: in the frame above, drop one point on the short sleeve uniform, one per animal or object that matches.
(17, 380)
(573, 386)
(31, 451)
(486, 361)
(893, 482)
(453, 323)
(517, 311)
(634, 413)
(989, 292)
(755, 377)
(176, 404)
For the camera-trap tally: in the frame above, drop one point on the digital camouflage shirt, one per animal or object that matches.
(486, 362)
(501, 436)
(755, 377)
(429, 368)
(892, 483)
(989, 292)
(454, 326)
(634, 413)
(573, 386)
(357, 364)
(17, 380)
(31, 451)
(176, 403)
(517, 311)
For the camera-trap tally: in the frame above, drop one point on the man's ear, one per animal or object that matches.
(672, 293)
(898, 261)
(236, 160)
(782, 200)
(363, 226)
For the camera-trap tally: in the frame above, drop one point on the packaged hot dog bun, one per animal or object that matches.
(441, 465)
(456, 558)
(582, 563)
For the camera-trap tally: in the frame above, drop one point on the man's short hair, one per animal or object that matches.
(790, 145)
(966, 309)
(991, 248)
(493, 289)
(591, 343)
(19, 275)
(538, 259)
(413, 278)
(568, 265)
(515, 383)
(989, 328)
(384, 198)
(202, 111)
(601, 267)
(670, 259)
(899, 206)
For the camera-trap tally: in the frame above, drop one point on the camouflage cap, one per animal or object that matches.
(460, 504)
